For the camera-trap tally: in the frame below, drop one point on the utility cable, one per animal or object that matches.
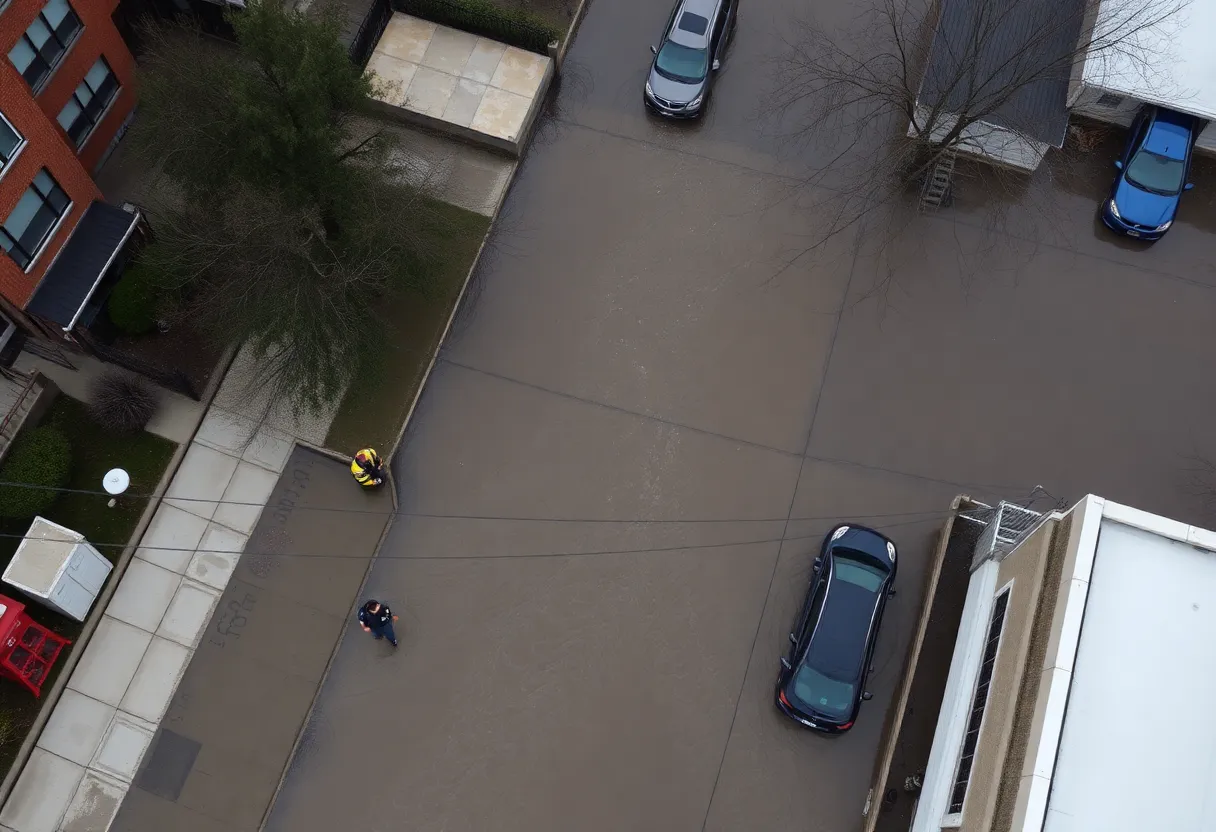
(647, 550)
(482, 517)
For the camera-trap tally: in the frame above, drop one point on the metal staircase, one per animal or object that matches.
(935, 190)
(20, 401)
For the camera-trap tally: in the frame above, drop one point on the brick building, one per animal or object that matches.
(67, 91)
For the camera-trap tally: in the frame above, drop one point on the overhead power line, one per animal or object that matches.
(593, 553)
(482, 517)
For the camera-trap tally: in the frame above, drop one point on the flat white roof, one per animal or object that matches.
(1172, 63)
(1137, 748)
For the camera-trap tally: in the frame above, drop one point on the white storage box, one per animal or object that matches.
(58, 568)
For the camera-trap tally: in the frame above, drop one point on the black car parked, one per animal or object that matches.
(822, 680)
(693, 48)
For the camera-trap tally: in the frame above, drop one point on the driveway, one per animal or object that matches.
(634, 354)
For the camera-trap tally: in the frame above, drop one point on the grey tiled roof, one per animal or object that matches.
(985, 48)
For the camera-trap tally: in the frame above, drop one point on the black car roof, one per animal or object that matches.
(838, 645)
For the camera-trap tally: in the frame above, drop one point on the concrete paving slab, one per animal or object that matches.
(247, 690)
(483, 61)
(143, 595)
(96, 802)
(480, 89)
(449, 50)
(76, 726)
(225, 431)
(465, 100)
(199, 483)
(217, 555)
(43, 791)
(393, 77)
(269, 449)
(171, 538)
(519, 72)
(188, 613)
(247, 492)
(429, 91)
(156, 680)
(242, 392)
(110, 660)
(407, 37)
(123, 746)
(501, 113)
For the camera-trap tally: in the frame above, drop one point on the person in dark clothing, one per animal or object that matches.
(377, 619)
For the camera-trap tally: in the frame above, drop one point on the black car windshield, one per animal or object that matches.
(1156, 173)
(682, 63)
(858, 571)
(817, 693)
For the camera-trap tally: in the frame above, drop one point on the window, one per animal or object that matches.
(87, 104)
(996, 624)
(44, 43)
(1106, 99)
(11, 143)
(33, 220)
(694, 23)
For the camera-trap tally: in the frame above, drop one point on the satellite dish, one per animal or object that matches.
(115, 482)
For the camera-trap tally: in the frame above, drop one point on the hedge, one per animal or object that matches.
(482, 17)
(133, 303)
(40, 457)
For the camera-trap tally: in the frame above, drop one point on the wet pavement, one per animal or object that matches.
(215, 762)
(643, 344)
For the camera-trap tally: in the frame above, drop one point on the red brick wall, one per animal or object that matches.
(48, 146)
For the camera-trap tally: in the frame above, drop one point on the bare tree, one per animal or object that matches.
(285, 215)
(915, 83)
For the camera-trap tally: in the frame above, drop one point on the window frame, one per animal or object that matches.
(52, 230)
(954, 817)
(7, 164)
(66, 46)
(83, 108)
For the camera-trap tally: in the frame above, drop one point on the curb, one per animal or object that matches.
(391, 453)
(447, 328)
(388, 458)
(570, 33)
(111, 586)
(333, 655)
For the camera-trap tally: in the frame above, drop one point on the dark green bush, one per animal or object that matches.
(134, 301)
(481, 17)
(39, 457)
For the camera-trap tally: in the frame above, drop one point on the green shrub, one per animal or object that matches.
(481, 17)
(134, 301)
(40, 457)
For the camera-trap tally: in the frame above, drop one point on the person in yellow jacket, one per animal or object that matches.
(367, 469)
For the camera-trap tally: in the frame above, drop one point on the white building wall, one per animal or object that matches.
(988, 142)
(1119, 108)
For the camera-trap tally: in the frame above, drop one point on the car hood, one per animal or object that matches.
(676, 92)
(1143, 207)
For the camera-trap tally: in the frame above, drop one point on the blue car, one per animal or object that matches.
(1152, 174)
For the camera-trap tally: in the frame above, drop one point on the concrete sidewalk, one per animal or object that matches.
(216, 760)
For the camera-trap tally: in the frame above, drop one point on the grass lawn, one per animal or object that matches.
(94, 452)
(372, 412)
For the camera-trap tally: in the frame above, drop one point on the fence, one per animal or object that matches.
(369, 32)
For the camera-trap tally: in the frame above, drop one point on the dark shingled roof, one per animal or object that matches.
(70, 280)
(983, 48)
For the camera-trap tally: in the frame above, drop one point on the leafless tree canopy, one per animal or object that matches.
(916, 80)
